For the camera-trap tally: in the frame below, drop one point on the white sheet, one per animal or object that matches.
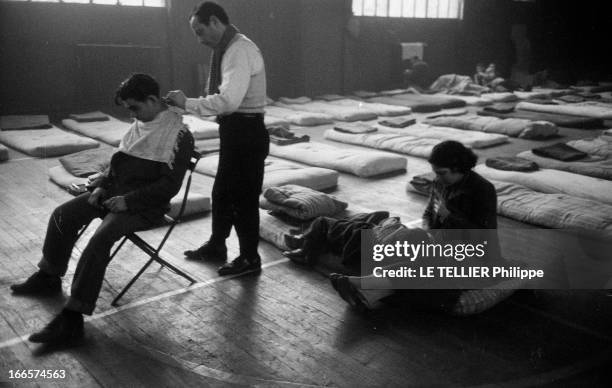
(467, 138)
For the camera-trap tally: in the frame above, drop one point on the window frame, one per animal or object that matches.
(424, 6)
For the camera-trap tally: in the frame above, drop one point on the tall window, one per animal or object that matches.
(429, 9)
(138, 3)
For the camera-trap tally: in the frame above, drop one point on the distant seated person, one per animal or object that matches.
(416, 73)
(460, 201)
(488, 77)
(132, 194)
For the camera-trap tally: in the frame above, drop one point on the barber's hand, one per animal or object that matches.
(176, 98)
(116, 204)
(96, 197)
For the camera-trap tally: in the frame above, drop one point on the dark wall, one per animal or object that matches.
(39, 64)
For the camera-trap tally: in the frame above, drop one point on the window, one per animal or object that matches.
(429, 9)
(138, 3)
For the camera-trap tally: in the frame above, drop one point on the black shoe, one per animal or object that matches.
(66, 326)
(240, 265)
(298, 256)
(208, 252)
(39, 284)
(294, 241)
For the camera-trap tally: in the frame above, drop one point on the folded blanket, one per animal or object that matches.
(560, 120)
(300, 202)
(502, 107)
(283, 136)
(511, 163)
(560, 151)
(357, 127)
(14, 122)
(297, 100)
(421, 183)
(89, 117)
(88, 162)
(601, 145)
(592, 165)
(398, 122)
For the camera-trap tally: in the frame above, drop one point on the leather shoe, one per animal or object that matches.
(207, 252)
(298, 256)
(240, 265)
(39, 284)
(66, 326)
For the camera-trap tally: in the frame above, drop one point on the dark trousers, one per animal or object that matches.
(62, 232)
(235, 197)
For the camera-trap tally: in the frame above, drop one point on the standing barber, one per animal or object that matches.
(237, 96)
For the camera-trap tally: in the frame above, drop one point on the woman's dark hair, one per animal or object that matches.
(206, 9)
(454, 155)
(137, 86)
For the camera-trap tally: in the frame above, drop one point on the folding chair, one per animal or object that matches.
(149, 249)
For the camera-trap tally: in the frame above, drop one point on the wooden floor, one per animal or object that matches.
(285, 326)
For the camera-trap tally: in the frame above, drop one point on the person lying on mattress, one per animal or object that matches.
(461, 200)
(133, 194)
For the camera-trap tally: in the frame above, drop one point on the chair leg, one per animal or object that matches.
(174, 269)
(127, 287)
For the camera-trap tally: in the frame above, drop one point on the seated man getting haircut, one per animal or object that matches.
(132, 194)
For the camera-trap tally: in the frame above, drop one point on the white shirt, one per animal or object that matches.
(243, 82)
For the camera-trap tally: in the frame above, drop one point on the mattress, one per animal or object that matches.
(298, 118)
(467, 138)
(379, 109)
(18, 122)
(196, 203)
(601, 146)
(554, 182)
(499, 97)
(109, 132)
(421, 103)
(357, 162)
(337, 112)
(46, 142)
(4, 155)
(469, 100)
(526, 129)
(408, 145)
(559, 211)
(557, 119)
(584, 109)
(280, 172)
(597, 166)
(200, 128)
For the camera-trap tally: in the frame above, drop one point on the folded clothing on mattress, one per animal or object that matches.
(525, 129)
(601, 145)
(16, 122)
(88, 162)
(592, 165)
(421, 183)
(357, 162)
(196, 203)
(469, 139)
(109, 132)
(379, 109)
(398, 122)
(404, 144)
(356, 127)
(46, 142)
(511, 163)
(554, 181)
(300, 202)
(201, 129)
(281, 172)
(557, 119)
(4, 155)
(89, 117)
(297, 117)
(337, 112)
(585, 109)
(560, 151)
(284, 136)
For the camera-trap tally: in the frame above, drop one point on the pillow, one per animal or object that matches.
(511, 163)
(300, 202)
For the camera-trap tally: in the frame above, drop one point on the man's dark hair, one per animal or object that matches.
(138, 86)
(454, 155)
(206, 9)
